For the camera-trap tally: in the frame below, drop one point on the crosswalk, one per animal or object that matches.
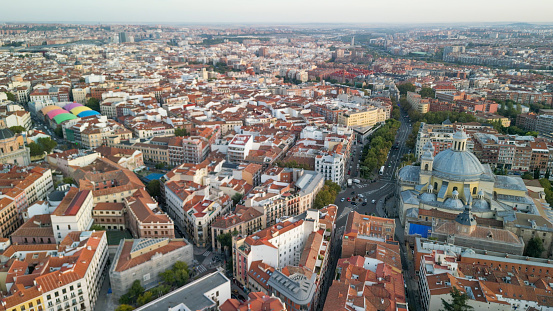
(206, 253)
(201, 269)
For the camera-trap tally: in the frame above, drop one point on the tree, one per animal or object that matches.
(145, 298)
(527, 175)
(547, 173)
(406, 87)
(69, 180)
(11, 97)
(93, 104)
(124, 307)
(153, 188)
(459, 301)
(18, 129)
(237, 197)
(535, 247)
(225, 239)
(47, 144)
(136, 289)
(178, 275)
(36, 149)
(180, 132)
(59, 131)
(427, 92)
(160, 166)
(536, 174)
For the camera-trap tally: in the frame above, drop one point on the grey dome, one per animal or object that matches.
(454, 203)
(457, 164)
(427, 197)
(480, 204)
(6, 133)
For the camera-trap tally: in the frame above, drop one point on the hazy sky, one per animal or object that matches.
(278, 11)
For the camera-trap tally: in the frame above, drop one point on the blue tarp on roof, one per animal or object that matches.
(421, 230)
(153, 176)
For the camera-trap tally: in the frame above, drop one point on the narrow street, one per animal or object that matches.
(382, 193)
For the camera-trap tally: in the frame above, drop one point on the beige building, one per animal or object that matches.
(366, 117)
(244, 220)
(79, 95)
(416, 101)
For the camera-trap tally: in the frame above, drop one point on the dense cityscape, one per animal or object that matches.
(314, 168)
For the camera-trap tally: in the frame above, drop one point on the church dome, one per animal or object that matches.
(454, 203)
(427, 197)
(480, 204)
(457, 164)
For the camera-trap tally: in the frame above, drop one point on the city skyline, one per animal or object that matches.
(252, 12)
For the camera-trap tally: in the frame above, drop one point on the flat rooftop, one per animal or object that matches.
(191, 295)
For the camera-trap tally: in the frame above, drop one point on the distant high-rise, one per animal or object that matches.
(123, 37)
(353, 41)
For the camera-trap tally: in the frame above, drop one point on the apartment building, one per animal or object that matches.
(145, 219)
(331, 166)
(418, 103)
(367, 116)
(244, 221)
(68, 277)
(279, 245)
(73, 214)
(239, 148)
(192, 149)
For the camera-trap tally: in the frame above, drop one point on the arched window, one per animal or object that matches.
(426, 167)
(474, 190)
(435, 186)
(454, 188)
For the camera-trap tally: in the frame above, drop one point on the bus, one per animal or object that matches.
(381, 170)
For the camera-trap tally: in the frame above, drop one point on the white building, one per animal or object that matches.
(331, 166)
(239, 148)
(76, 286)
(73, 214)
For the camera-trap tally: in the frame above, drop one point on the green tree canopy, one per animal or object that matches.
(47, 144)
(11, 97)
(154, 188)
(180, 132)
(535, 247)
(124, 307)
(406, 87)
(237, 197)
(427, 92)
(177, 276)
(59, 131)
(18, 129)
(145, 298)
(36, 150)
(93, 104)
(458, 303)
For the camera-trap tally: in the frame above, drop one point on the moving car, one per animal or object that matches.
(342, 199)
(373, 201)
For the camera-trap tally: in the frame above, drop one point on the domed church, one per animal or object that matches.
(455, 179)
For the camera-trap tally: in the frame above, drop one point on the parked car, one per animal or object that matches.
(373, 201)
(342, 199)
